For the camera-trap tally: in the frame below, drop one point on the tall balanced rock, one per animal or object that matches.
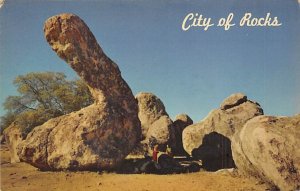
(268, 148)
(98, 136)
(155, 121)
(210, 139)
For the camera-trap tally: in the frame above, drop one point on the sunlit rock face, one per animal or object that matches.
(210, 139)
(155, 122)
(99, 136)
(267, 148)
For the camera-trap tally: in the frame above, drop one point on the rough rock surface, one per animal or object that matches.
(268, 148)
(233, 100)
(98, 136)
(162, 130)
(151, 108)
(13, 137)
(180, 123)
(183, 120)
(155, 121)
(210, 139)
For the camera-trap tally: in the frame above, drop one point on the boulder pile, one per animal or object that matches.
(210, 139)
(155, 122)
(100, 136)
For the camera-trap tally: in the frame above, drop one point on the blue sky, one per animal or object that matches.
(192, 71)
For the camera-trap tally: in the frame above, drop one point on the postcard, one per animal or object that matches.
(150, 95)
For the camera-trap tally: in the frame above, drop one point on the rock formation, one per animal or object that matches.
(180, 123)
(151, 108)
(98, 136)
(268, 148)
(233, 100)
(210, 139)
(155, 121)
(13, 137)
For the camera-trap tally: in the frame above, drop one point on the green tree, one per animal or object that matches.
(43, 95)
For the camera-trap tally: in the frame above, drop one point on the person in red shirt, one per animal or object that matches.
(155, 153)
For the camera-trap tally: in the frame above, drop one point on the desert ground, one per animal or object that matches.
(24, 177)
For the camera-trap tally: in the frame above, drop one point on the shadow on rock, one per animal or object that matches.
(215, 152)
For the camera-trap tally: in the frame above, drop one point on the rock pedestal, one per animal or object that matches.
(98, 136)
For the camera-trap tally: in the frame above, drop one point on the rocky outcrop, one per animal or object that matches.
(155, 122)
(151, 108)
(233, 100)
(13, 137)
(98, 136)
(180, 123)
(268, 148)
(210, 139)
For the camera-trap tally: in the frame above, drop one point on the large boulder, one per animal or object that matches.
(210, 139)
(13, 137)
(151, 108)
(268, 148)
(162, 131)
(155, 122)
(99, 136)
(180, 123)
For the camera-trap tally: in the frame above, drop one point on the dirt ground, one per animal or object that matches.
(24, 177)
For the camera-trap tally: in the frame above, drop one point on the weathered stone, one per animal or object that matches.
(13, 137)
(210, 139)
(162, 130)
(183, 120)
(233, 100)
(99, 136)
(155, 121)
(268, 148)
(180, 123)
(150, 109)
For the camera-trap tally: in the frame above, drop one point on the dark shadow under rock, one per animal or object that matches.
(215, 152)
(164, 165)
